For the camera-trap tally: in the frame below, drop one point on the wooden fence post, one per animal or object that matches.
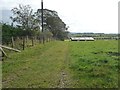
(26, 38)
(32, 41)
(23, 43)
(39, 39)
(13, 44)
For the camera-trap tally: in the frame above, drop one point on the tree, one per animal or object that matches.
(53, 23)
(30, 22)
(9, 31)
(25, 19)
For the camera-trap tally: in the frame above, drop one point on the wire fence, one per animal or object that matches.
(21, 42)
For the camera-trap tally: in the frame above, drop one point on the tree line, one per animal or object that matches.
(25, 22)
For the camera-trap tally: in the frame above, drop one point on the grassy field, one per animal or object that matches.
(63, 64)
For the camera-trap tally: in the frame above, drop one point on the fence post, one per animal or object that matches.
(12, 42)
(32, 41)
(23, 43)
(26, 38)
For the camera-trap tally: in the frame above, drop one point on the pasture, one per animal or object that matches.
(63, 64)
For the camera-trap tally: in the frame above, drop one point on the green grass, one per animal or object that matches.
(62, 64)
(39, 66)
(93, 65)
(0, 75)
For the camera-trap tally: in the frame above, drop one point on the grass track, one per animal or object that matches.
(63, 65)
(41, 68)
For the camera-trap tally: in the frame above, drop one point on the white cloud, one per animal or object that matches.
(80, 15)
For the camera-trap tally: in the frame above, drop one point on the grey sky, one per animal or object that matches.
(99, 16)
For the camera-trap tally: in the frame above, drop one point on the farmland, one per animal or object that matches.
(63, 64)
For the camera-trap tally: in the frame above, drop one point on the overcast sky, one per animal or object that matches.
(98, 16)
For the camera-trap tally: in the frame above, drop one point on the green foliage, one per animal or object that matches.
(26, 19)
(54, 24)
(9, 31)
(28, 24)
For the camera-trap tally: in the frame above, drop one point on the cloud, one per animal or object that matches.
(80, 15)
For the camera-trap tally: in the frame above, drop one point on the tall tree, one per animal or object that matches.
(25, 18)
(53, 23)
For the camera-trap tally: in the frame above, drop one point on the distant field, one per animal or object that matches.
(64, 64)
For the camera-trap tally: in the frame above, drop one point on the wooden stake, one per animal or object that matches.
(9, 48)
(3, 52)
(13, 42)
(32, 41)
(23, 43)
